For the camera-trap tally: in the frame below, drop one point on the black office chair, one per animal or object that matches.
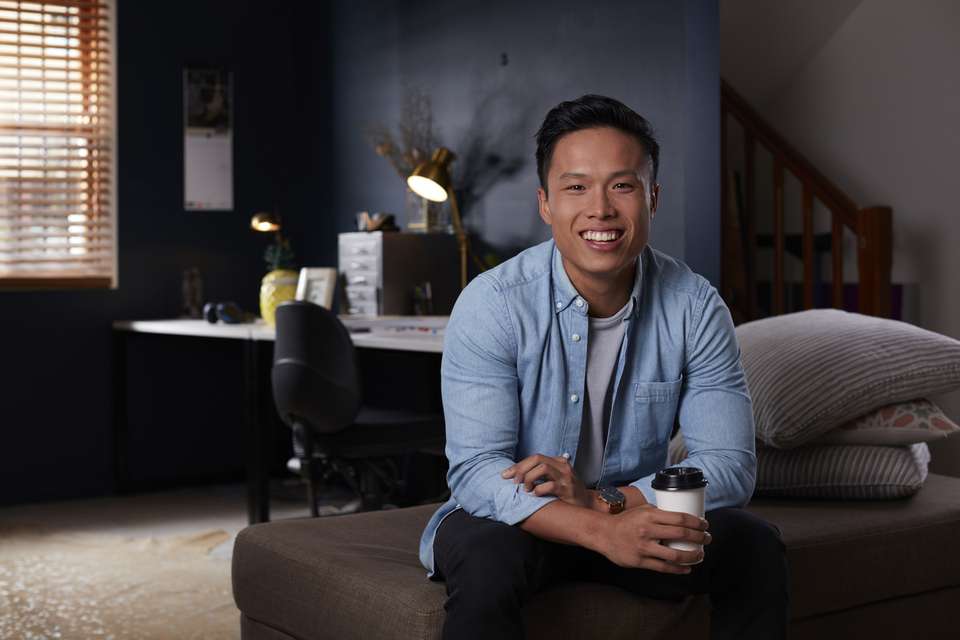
(316, 388)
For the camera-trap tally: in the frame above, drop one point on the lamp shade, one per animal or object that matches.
(265, 221)
(431, 179)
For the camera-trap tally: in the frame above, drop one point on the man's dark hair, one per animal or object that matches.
(589, 112)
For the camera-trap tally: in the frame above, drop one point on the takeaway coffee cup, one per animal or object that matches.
(680, 489)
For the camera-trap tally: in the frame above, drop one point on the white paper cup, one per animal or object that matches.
(681, 489)
(687, 501)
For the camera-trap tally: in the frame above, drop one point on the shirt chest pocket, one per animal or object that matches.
(655, 409)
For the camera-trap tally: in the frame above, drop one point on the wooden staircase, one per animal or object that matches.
(748, 296)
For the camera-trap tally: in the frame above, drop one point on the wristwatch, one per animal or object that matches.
(613, 497)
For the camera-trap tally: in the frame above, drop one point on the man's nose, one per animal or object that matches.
(601, 205)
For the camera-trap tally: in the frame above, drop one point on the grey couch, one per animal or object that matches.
(872, 569)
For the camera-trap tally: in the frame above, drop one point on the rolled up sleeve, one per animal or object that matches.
(481, 406)
(715, 411)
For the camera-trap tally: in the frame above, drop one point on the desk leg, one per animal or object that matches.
(120, 427)
(258, 487)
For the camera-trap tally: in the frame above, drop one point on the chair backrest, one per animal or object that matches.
(314, 373)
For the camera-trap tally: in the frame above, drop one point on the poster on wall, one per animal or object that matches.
(207, 140)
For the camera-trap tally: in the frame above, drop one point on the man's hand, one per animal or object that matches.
(558, 479)
(632, 539)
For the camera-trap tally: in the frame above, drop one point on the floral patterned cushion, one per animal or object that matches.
(895, 424)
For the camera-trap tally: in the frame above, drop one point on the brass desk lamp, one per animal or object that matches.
(431, 180)
(265, 221)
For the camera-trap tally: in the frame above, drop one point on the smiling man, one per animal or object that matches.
(564, 372)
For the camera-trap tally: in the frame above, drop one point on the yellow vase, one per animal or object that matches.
(277, 286)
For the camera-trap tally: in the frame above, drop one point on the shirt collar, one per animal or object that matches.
(565, 294)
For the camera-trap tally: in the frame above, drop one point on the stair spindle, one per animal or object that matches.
(750, 246)
(777, 236)
(836, 252)
(808, 273)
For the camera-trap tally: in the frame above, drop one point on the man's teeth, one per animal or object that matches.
(600, 236)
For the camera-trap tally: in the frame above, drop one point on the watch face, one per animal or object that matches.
(612, 495)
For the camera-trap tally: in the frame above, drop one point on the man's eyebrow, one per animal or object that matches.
(580, 176)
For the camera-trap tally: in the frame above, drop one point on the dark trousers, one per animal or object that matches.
(491, 569)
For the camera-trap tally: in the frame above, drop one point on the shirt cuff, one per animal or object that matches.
(514, 505)
(643, 484)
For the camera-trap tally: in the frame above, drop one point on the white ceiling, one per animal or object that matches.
(763, 43)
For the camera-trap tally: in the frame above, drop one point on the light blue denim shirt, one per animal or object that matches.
(513, 377)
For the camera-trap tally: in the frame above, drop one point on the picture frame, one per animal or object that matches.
(317, 285)
(207, 139)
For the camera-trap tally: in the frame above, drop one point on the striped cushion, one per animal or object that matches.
(813, 371)
(842, 472)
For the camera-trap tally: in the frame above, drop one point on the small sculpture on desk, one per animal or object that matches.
(227, 313)
(423, 299)
(376, 222)
(192, 290)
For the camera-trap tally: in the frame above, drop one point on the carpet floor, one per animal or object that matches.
(148, 567)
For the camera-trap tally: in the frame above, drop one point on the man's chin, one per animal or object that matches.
(601, 267)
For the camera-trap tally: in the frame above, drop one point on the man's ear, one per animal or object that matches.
(654, 199)
(543, 206)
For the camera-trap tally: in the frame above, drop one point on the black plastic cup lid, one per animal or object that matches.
(678, 479)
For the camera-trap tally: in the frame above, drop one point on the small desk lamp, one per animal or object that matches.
(431, 180)
(265, 221)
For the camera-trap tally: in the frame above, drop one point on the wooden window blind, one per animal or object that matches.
(57, 137)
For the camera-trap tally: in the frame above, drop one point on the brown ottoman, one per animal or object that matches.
(859, 569)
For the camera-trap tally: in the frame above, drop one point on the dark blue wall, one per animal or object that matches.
(701, 140)
(309, 78)
(493, 69)
(184, 394)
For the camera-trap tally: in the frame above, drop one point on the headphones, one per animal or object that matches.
(227, 312)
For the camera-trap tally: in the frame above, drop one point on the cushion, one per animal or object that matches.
(813, 371)
(847, 554)
(896, 424)
(856, 472)
(358, 576)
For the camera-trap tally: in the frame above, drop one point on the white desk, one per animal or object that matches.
(399, 333)
(422, 334)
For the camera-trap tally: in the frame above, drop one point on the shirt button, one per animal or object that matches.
(575, 337)
(559, 304)
(574, 398)
(579, 302)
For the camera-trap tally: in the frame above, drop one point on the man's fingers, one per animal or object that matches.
(548, 488)
(678, 519)
(665, 532)
(517, 469)
(674, 556)
(542, 470)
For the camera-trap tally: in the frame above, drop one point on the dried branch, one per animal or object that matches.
(415, 139)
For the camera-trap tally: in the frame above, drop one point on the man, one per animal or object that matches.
(564, 371)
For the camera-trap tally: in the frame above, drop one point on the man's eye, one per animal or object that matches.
(623, 185)
(575, 187)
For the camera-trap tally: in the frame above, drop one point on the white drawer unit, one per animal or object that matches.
(379, 271)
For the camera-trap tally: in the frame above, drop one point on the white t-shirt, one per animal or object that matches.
(603, 349)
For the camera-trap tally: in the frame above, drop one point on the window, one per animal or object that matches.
(57, 144)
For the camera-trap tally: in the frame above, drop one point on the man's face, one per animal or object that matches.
(601, 202)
